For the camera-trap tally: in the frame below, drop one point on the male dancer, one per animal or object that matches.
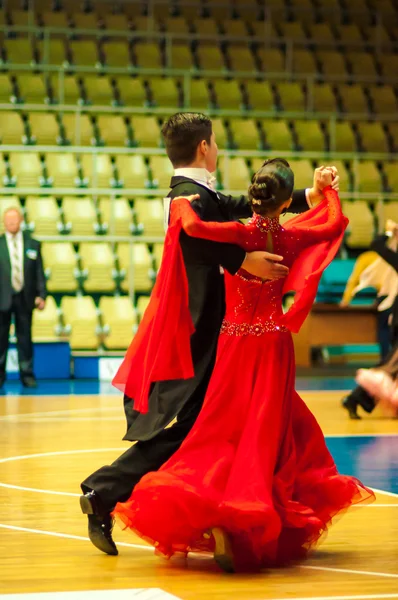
(191, 147)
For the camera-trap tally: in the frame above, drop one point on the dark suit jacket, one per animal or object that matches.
(379, 245)
(34, 279)
(202, 260)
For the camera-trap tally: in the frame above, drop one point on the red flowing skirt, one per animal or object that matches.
(255, 464)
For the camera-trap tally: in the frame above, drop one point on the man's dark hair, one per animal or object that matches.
(182, 134)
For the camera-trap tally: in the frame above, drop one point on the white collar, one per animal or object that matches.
(199, 175)
(11, 236)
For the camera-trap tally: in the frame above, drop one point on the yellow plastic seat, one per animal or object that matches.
(162, 171)
(304, 62)
(389, 210)
(349, 33)
(210, 58)
(180, 56)
(55, 19)
(235, 173)
(113, 130)
(292, 97)
(136, 262)
(333, 62)
(344, 140)
(146, 131)
(62, 169)
(26, 168)
(116, 215)
(80, 215)
(84, 53)
(245, 134)
(84, 20)
(321, 32)
(389, 65)
(228, 94)
(272, 60)
(207, 27)
(310, 135)
(116, 22)
(70, 89)
(32, 88)
(260, 95)
(80, 316)
(79, 129)
(45, 128)
(132, 91)
(98, 89)
(148, 56)
(142, 304)
(176, 25)
(12, 129)
(362, 64)
(199, 94)
(45, 323)
(119, 319)
(220, 132)
(60, 264)
(19, 51)
(323, 98)
(391, 171)
(6, 91)
(54, 53)
(132, 171)
(97, 170)
(361, 226)
(117, 54)
(98, 266)
(367, 177)
(235, 27)
(278, 135)
(384, 99)
(373, 137)
(303, 173)
(354, 99)
(165, 92)
(43, 215)
(241, 58)
(150, 215)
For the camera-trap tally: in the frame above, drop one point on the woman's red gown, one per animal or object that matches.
(255, 462)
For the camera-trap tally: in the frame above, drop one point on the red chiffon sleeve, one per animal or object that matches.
(319, 233)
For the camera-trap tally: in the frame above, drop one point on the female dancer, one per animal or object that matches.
(253, 482)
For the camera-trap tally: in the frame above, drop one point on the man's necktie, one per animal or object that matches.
(16, 266)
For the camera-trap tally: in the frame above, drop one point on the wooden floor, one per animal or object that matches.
(49, 444)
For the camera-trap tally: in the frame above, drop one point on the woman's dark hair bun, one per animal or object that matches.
(271, 186)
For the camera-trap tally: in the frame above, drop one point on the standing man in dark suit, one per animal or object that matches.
(22, 288)
(192, 149)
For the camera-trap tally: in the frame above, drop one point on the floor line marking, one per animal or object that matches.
(147, 548)
(59, 453)
(392, 494)
(66, 411)
(361, 597)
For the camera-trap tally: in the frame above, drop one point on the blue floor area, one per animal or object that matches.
(64, 387)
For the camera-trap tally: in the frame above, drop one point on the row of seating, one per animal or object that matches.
(166, 16)
(110, 324)
(134, 172)
(325, 62)
(234, 134)
(169, 92)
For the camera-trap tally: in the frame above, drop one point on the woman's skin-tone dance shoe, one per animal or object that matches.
(223, 550)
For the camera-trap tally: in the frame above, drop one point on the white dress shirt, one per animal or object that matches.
(20, 245)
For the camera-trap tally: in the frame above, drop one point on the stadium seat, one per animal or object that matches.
(132, 171)
(384, 99)
(136, 262)
(150, 216)
(235, 173)
(220, 131)
(84, 53)
(62, 170)
(165, 92)
(113, 130)
(240, 58)
(362, 64)
(117, 22)
(260, 96)
(80, 316)
(97, 170)
(349, 33)
(367, 176)
(117, 54)
(277, 135)
(320, 33)
(55, 53)
(373, 137)
(44, 128)
(353, 98)
(85, 20)
(27, 169)
(210, 58)
(161, 171)
(321, 98)
(303, 61)
(176, 25)
(19, 51)
(293, 30)
(45, 323)
(31, 88)
(391, 171)
(116, 215)
(303, 173)
(199, 94)
(12, 130)
(78, 129)
(43, 215)
(180, 57)
(80, 215)
(272, 60)
(148, 56)
(60, 264)
(55, 19)
(342, 138)
(332, 63)
(132, 91)
(389, 65)
(146, 131)
(119, 320)
(246, 134)
(98, 266)
(72, 91)
(6, 89)
(361, 226)
(389, 211)
(206, 27)
(99, 90)
(393, 130)
(292, 97)
(228, 94)
(310, 136)
(142, 304)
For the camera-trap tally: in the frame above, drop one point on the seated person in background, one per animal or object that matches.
(386, 247)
